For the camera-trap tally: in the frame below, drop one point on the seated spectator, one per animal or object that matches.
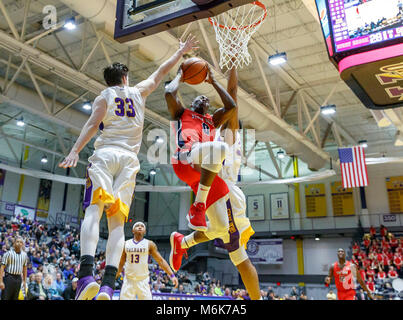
(270, 296)
(36, 291)
(67, 271)
(381, 275)
(397, 261)
(367, 243)
(206, 278)
(155, 288)
(383, 231)
(392, 274)
(370, 274)
(355, 249)
(372, 232)
(218, 289)
(371, 286)
(331, 295)
(179, 290)
(50, 285)
(211, 291)
(70, 292)
(361, 295)
(60, 286)
(227, 292)
(294, 292)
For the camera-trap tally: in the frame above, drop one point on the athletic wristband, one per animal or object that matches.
(173, 275)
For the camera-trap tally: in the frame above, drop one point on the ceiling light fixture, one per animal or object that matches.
(278, 58)
(329, 109)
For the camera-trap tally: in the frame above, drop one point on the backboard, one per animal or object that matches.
(140, 18)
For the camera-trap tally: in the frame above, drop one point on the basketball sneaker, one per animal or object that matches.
(105, 293)
(197, 217)
(175, 257)
(87, 288)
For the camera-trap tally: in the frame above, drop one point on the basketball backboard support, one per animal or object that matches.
(140, 18)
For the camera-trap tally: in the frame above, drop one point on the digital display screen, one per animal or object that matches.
(359, 23)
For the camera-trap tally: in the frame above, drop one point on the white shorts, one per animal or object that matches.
(235, 237)
(135, 289)
(111, 178)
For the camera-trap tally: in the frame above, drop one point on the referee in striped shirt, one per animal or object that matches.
(13, 271)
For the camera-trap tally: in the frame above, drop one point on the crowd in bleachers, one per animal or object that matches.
(54, 254)
(379, 257)
(53, 257)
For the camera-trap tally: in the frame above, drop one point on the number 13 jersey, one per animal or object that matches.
(123, 123)
(136, 266)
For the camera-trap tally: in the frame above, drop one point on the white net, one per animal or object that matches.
(234, 29)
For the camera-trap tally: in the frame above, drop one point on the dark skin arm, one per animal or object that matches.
(153, 250)
(225, 113)
(233, 122)
(329, 277)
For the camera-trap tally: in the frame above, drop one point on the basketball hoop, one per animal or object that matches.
(234, 29)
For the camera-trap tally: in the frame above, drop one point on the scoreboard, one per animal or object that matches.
(364, 40)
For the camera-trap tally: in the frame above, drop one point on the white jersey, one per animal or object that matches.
(124, 119)
(233, 158)
(136, 266)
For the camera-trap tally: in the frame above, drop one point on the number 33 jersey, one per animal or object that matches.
(123, 123)
(136, 266)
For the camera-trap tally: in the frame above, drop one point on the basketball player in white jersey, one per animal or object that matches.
(135, 262)
(231, 207)
(111, 174)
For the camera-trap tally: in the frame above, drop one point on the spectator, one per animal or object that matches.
(383, 231)
(60, 286)
(36, 290)
(67, 271)
(331, 295)
(270, 296)
(206, 278)
(70, 292)
(294, 292)
(50, 285)
(392, 274)
(179, 290)
(218, 290)
(381, 275)
(361, 295)
(372, 232)
(155, 288)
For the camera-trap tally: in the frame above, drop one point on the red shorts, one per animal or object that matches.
(346, 294)
(191, 177)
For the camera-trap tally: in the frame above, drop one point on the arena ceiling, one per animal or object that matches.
(52, 73)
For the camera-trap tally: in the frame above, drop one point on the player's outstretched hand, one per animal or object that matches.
(189, 44)
(210, 76)
(70, 161)
(327, 280)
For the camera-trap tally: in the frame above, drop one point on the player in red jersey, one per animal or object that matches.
(345, 275)
(198, 158)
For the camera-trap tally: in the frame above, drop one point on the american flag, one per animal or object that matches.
(353, 167)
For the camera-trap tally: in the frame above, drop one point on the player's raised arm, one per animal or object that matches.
(89, 130)
(153, 250)
(175, 107)
(223, 114)
(147, 86)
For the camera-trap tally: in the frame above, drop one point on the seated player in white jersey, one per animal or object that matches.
(135, 262)
(231, 207)
(111, 174)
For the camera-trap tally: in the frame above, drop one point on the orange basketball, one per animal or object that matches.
(194, 70)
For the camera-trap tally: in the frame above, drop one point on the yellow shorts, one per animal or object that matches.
(111, 178)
